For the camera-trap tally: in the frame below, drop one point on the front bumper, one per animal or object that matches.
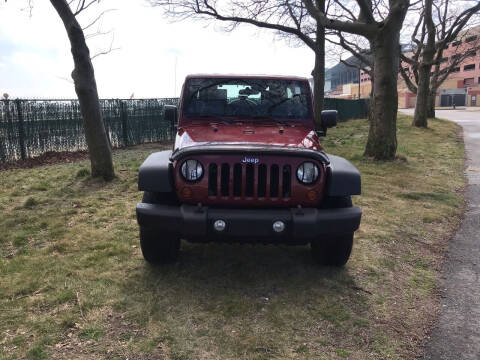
(195, 223)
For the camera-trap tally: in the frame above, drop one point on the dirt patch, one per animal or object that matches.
(113, 339)
(49, 158)
(56, 157)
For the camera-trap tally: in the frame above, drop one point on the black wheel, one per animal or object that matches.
(333, 250)
(159, 247)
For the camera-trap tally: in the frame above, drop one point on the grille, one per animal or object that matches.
(254, 181)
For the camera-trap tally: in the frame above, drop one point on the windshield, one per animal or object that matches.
(247, 98)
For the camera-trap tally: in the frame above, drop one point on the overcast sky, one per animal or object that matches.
(35, 59)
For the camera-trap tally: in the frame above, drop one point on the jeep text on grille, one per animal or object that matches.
(250, 160)
(247, 166)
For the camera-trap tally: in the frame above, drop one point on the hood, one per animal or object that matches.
(293, 135)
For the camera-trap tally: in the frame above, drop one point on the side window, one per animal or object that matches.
(293, 90)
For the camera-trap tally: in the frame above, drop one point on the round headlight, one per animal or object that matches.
(307, 172)
(192, 170)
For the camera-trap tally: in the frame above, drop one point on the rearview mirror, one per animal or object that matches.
(249, 91)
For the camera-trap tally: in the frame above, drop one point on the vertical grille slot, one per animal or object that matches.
(274, 181)
(262, 180)
(237, 180)
(249, 181)
(224, 179)
(286, 183)
(212, 179)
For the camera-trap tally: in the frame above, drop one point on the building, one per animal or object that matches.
(462, 87)
(340, 79)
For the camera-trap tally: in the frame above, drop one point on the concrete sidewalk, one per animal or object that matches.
(469, 114)
(456, 335)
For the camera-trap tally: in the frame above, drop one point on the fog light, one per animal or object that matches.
(219, 225)
(278, 226)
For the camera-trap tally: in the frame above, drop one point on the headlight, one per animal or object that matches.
(307, 173)
(191, 170)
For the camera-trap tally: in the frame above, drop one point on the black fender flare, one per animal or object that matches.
(343, 179)
(155, 174)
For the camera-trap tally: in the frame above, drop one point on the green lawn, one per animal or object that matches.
(73, 283)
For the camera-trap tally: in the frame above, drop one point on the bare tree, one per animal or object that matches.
(288, 18)
(86, 87)
(358, 52)
(376, 20)
(380, 23)
(440, 23)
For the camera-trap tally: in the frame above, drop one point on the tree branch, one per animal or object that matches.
(367, 30)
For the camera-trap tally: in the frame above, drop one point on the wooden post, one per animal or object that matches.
(124, 120)
(21, 130)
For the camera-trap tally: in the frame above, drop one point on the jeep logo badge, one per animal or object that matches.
(247, 160)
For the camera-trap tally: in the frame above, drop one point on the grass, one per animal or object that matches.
(73, 283)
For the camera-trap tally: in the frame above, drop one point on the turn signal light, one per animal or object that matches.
(187, 193)
(312, 195)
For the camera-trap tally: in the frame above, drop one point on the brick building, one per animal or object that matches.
(462, 87)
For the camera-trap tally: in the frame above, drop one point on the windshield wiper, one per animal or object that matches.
(264, 117)
(281, 102)
(216, 117)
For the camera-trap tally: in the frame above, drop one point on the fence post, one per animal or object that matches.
(124, 120)
(173, 125)
(21, 130)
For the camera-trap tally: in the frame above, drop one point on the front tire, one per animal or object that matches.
(333, 250)
(159, 248)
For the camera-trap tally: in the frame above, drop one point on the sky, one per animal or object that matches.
(154, 55)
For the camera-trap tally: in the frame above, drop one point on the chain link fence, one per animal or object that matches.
(348, 109)
(29, 128)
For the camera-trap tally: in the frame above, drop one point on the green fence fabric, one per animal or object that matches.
(347, 109)
(30, 128)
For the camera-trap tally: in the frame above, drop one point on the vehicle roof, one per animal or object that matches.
(243, 76)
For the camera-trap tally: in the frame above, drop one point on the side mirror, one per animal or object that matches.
(171, 116)
(328, 119)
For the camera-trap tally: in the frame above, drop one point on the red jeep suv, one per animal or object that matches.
(247, 166)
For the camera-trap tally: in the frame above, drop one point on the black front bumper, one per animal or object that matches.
(195, 223)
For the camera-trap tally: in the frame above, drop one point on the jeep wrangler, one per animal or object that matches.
(247, 166)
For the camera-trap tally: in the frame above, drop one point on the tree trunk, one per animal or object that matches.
(424, 71)
(382, 136)
(319, 70)
(318, 85)
(431, 104)
(423, 91)
(86, 89)
(432, 95)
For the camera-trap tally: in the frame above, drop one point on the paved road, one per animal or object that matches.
(456, 335)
